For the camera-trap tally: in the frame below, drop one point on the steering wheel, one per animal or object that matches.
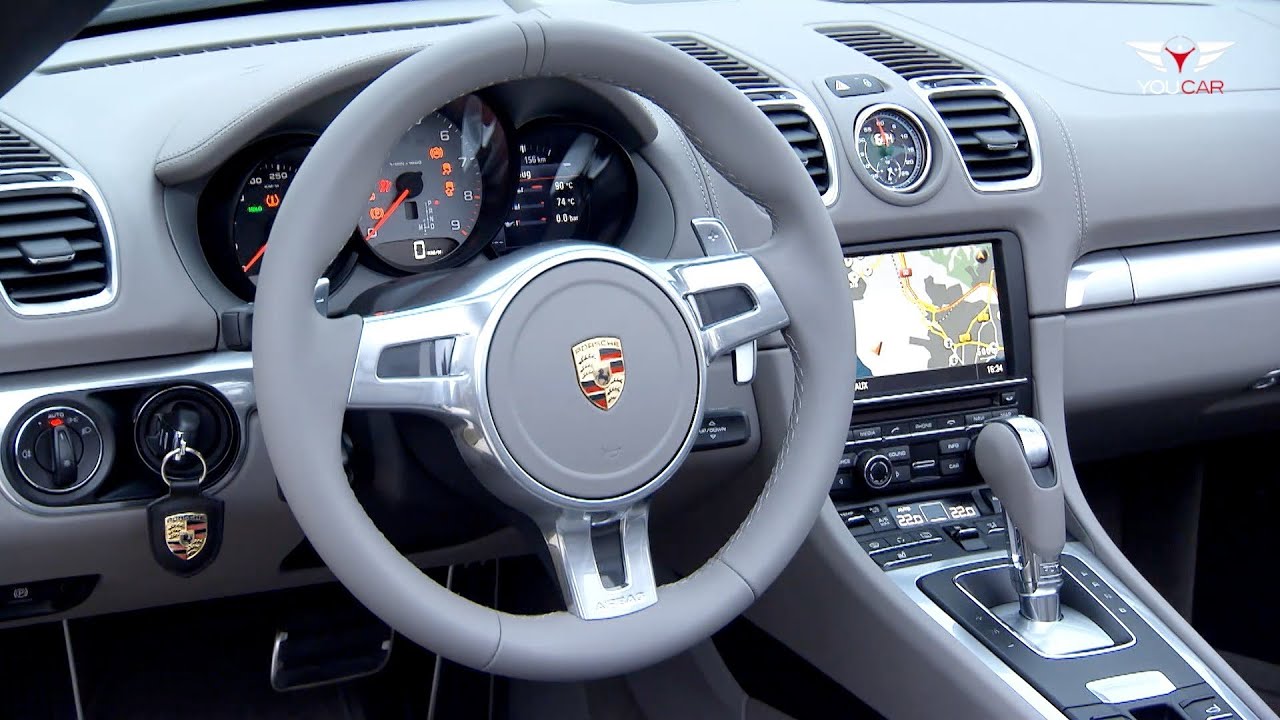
(502, 345)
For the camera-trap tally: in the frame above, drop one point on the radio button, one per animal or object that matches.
(952, 465)
(901, 474)
(896, 429)
(898, 453)
(951, 446)
(846, 462)
(842, 483)
(1009, 398)
(951, 422)
(924, 425)
(864, 433)
(1004, 414)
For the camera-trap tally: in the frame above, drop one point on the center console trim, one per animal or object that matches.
(906, 580)
(935, 392)
(1013, 631)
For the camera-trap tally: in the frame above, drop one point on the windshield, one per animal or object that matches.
(134, 14)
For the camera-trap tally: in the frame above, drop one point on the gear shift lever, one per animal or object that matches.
(1015, 458)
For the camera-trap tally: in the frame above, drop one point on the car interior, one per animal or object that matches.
(639, 359)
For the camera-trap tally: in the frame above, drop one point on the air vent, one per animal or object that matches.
(802, 134)
(899, 55)
(989, 134)
(53, 249)
(18, 152)
(739, 74)
(794, 115)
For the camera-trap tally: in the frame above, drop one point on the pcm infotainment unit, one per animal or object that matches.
(928, 318)
(942, 347)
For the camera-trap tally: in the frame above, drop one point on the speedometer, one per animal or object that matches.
(442, 189)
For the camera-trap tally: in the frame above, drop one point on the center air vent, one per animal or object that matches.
(994, 144)
(898, 54)
(53, 249)
(795, 116)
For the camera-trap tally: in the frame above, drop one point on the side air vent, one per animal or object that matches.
(18, 152)
(55, 254)
(989, 134)
(795, 116)
(739, 74)
(898, 54)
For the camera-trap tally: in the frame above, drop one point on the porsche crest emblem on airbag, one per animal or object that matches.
(185, 534)
(601, 373)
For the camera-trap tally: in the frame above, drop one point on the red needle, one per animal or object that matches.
(884, 136)
(256, 257)
(386, 215)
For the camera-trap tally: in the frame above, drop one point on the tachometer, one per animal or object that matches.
(441, 190)
(893, 147)
(573, 182)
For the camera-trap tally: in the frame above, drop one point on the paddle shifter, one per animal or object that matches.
(1015, 459)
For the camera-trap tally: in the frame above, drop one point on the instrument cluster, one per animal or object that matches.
(460, 182)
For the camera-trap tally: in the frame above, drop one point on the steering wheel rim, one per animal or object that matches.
(304, 364)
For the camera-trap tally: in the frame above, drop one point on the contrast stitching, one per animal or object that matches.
(1077, 178)
(244, 116)
(688, 154)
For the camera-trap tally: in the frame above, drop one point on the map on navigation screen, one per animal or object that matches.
(935, 310)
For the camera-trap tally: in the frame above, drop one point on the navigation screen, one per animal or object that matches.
(927, 318)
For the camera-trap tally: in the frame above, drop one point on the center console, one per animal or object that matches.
(950, 485)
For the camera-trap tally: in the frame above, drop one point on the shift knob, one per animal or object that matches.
(1015, 458)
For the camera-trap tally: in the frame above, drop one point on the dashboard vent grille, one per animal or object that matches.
(739, 74)
(990, 135)
(898, 54)
(794, 115)
(52, 247)
(18, 152)
(802, 134)
(55, 68)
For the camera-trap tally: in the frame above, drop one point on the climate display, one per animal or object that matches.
(934, 511)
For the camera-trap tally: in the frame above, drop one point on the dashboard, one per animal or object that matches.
(1017, 223)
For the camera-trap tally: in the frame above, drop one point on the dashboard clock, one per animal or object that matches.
(893, 147)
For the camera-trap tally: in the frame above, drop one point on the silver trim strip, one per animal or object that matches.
(1193, 268)
(924, 136)
(906, 579)
(1134, 686)
(987, 85)
(801, 102)
(230, 373)
(992, 385)
(80, 184)
(1014, 631)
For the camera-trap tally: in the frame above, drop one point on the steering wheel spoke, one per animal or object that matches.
(732, 298)
(602, 561)
(418, 359)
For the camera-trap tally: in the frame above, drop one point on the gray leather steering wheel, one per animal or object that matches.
(509, 339)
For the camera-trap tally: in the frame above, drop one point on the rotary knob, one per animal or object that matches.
(58, 449)
(875, 469)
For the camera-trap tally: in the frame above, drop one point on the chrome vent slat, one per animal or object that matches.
(898, 54)
(56, 252)
(796, 118)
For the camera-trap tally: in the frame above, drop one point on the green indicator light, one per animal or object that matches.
(254, 209)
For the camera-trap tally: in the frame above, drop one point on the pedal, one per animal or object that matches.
(309, 654)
